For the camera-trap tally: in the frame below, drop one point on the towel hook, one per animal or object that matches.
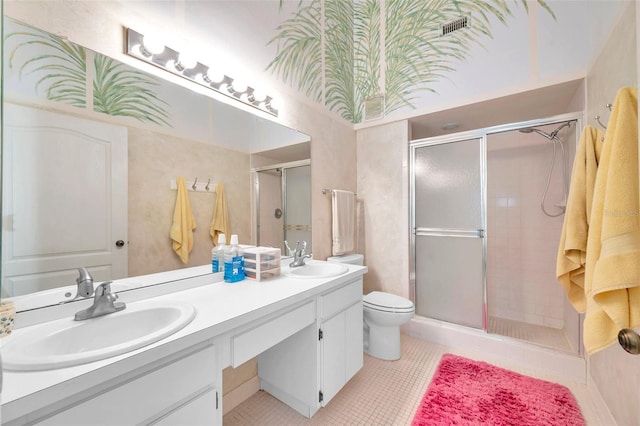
(208, 183)
(195, 183)
(597, 117)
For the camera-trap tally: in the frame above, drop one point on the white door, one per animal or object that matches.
(64, 200)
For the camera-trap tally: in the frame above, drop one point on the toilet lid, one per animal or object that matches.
(387, 302)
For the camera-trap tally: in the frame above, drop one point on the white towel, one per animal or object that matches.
(343, 221)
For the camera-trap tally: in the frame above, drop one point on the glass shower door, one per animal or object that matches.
(448, 231)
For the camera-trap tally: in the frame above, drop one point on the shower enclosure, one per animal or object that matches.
(283, 205)
(487, 213)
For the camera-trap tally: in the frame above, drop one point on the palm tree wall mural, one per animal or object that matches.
(61, 68)
(335, 51)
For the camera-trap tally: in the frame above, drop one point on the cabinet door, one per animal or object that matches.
(353, 345)
(333, 356)
(149, 397)
(198, 412)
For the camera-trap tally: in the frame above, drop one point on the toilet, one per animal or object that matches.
(384, 313)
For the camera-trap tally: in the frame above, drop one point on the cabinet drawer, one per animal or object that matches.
(251, 343)
(339, 300)
(143, 398)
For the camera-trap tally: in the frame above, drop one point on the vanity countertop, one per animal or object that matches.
(221, 307)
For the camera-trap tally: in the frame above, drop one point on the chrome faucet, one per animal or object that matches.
(299, 255)
(104, 302)
(85, 284)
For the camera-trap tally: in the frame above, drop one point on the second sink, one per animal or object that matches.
(65, 342)
(316, 269)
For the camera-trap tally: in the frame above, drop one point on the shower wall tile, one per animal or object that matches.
(521, 241)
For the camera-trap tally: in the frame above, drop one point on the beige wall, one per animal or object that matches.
(382, 159)
(616, 373)
(155, 159)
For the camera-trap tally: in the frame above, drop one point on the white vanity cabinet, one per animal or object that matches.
(181, 390)
(309, 368)
(340, 336)
(307, 335)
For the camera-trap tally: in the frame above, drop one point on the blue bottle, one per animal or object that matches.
(233, 262)
(217, 255)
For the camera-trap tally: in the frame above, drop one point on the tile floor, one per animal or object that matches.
(384, 393)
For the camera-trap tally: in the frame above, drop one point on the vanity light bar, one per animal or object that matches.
(169, 60)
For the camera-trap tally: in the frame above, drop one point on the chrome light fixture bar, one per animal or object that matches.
(170, 60)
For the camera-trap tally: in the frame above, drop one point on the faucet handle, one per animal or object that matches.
(104, 289)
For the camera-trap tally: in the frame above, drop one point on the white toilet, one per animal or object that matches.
(384, 313)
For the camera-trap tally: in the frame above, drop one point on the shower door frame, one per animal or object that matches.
(441, 232)
(481, 134)
(256, 194)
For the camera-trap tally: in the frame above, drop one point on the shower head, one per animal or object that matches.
(538, 131)
(551, 136)
(555, 132)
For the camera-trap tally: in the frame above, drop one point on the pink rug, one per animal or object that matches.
(467, 392)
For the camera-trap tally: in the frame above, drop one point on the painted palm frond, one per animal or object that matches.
(339, 58)
(416, 52)
(367, 55)
(63, 65)
(299, 51)
(416, 55)
(122, 91)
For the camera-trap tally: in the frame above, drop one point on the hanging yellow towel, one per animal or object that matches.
(572, 251)
(183, 223)
(343, 209)
(612, 272)
(220, 221)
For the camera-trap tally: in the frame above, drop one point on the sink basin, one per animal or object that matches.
(59, 295)
(316, 269)
(65, 342)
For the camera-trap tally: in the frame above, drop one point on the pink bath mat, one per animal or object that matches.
(467, 392)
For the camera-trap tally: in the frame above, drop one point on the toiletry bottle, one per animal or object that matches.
(217, 254)
(233, 262)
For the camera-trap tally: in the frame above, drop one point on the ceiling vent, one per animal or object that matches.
(374, 108)
(462, 22)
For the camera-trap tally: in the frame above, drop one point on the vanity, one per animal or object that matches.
(306, 332)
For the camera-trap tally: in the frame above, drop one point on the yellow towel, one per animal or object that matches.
(183, 223)
(220, 221)
(343, 209)
(572, 251)
(612, 272)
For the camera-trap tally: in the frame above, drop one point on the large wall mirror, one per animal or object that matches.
(90, 149)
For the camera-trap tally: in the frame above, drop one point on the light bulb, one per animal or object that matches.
(186, 61)
(152, 45)
(259, 95)
(238, 85)
(216, 76)
(274, 104)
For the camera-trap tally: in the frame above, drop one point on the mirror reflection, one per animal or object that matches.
(91, 147)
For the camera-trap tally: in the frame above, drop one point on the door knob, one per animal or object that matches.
(119, 243)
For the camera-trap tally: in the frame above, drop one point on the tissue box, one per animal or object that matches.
(261, 263)
(7, 317)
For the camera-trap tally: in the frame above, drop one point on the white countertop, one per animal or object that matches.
(220, 306)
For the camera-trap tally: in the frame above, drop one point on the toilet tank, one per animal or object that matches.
(352, 258)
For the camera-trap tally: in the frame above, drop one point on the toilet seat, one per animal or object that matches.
(386, 302)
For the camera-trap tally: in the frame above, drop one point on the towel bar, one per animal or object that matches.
(326, 191)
